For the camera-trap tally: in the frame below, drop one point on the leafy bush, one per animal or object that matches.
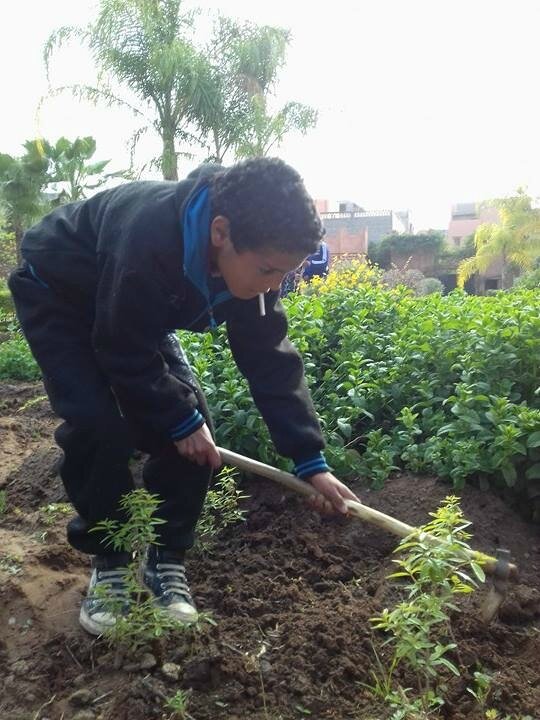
(440, 384)
(16, 361)
(6, 302)
(409, 278)
(430, 285)
(529, 280)
(435, 384)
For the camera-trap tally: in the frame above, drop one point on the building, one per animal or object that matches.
(464, 220)
(351, 228)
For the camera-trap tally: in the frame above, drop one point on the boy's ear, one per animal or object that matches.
(220, 231)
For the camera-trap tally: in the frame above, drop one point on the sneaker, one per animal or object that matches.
(108, 572)
(165, 577)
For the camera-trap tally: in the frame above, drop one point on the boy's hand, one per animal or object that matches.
(333, 491)
(199, 447)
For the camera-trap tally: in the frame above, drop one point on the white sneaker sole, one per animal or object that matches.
(188, 617)
(92, 626)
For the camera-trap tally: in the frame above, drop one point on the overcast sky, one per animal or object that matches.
(422, 103)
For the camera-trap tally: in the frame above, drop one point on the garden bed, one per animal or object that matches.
(291, 595)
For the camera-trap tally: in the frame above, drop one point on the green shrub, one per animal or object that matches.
(16, 361)
(445, 384)
(435, 384)
(6, 301)
(529, 280)
(430, 285)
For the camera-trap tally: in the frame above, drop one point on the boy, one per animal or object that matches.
(317, 263)
(103, 284)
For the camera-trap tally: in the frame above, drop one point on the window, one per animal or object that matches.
(457, 241)
(491, 284)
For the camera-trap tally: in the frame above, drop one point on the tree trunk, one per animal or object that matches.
(169, 162)
(18, 232)
(217, 146)
(504, 273)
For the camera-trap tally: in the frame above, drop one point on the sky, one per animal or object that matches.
(422, 103)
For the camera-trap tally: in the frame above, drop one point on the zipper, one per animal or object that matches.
(209, 309)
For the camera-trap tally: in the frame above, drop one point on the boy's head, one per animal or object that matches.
(263, 224)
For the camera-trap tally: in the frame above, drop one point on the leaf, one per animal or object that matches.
(533, 440)
(345, 427)
(509, 474)
(533, 473)
(478, 571)
(448, 664)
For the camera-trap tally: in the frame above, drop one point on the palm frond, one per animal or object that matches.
(60, 37)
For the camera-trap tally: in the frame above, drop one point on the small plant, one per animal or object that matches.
(493, 714)
(10, 564)
(220, 509)
(481, 689)
(178, 704)
(419, 626)
(3, 502)
(145, 623)
(31, 403)
(16, 361)
(377, 461)
(50, 513)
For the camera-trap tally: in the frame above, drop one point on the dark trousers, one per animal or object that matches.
(96, 439)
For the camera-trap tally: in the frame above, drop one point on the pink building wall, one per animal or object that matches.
(343, 243)
(460, 228)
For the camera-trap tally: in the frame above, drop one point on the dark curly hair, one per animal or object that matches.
(267, 207)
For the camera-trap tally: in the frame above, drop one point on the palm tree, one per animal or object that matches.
(22, 181)
(144, 46)
(245, 62)
(266, 131)
(69, 167)
(515, 241)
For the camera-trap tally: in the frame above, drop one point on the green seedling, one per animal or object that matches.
(178, 703)
(142, 623)
(3, 502)
(10, 564)
(418, 627)
(50, 513)
(220, 509)
(31, 403)
(481, 689)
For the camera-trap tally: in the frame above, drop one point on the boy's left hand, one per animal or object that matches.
(333, 492)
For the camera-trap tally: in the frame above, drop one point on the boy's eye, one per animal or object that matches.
(265, 271)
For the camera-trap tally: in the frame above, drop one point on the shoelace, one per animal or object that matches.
(172, 577)
(114, 579)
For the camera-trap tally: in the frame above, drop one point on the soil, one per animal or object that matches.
(291, 595)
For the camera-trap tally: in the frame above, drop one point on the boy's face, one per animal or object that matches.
(248, 273)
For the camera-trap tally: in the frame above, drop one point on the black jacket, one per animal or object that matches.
(120, 258)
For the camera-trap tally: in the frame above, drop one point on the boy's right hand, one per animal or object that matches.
(199, 447)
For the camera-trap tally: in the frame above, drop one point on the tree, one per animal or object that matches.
(245, 62)
(144, 46)
(68, 166)
(29, 184)
(515, 241)
(266, 131)
(22, 181)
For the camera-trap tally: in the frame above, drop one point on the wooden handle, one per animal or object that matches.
(359, 510)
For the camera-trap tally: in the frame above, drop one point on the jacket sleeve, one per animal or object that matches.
(128, 329)
(275, 373)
